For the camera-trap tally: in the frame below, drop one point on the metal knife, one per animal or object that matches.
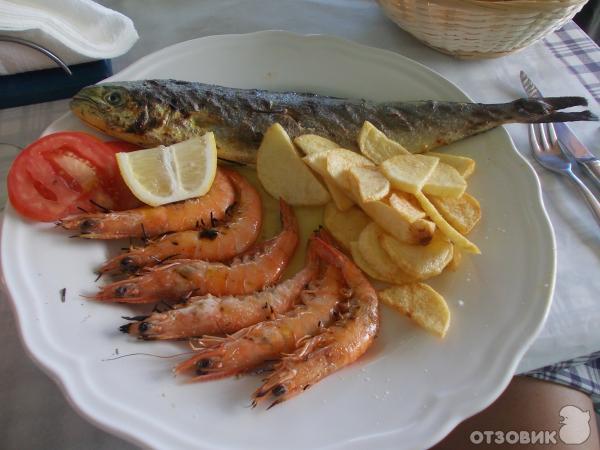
(567, 138)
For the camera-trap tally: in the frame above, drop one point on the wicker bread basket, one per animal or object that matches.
(473, 29)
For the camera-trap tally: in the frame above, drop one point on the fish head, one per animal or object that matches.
(118, 109)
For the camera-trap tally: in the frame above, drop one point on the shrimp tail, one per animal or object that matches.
(325, 236)
(325, 248)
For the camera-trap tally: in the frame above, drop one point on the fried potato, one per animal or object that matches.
(462, 213)
(465, 166)
(418, 232)
(345, 226)
(377, 146)
(407, 205)
(445, 181)
(419, 261)
(341, 200)
(450, 232)
(456, 259)
(367, 183)
(283, 174)
(422, 304)
(369, 247)
(409, 173)
(339, 161)
(363, 265)
(311, 143)
(318, 162)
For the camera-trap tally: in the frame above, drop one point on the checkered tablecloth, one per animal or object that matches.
(581, 56)
(579, 53)
(582, 373)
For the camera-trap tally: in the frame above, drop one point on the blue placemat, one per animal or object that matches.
(51, 84)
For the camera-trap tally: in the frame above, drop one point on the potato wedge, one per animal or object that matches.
(419, 261)
(345, 226)
(367, 183)
(462, 213)
(422, 304)
(418, 232)
(377, 259)
(318, 162)
(283, 174)
(377, 146)
(341, 200)
(465, 166)
(339, 161)
(445, 181)
(407, 205)
(450, 232)
(311, 143)
(409, 173)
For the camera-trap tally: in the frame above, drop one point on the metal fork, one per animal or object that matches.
(549, 154)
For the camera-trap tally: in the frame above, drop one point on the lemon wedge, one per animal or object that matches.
(169, 174)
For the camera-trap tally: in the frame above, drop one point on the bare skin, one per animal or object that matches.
(527, 404)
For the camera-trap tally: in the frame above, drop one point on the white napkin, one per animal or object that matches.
(75, 30)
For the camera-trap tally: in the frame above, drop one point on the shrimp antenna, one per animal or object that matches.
(99, 206)
(147, 354)
(145, 238)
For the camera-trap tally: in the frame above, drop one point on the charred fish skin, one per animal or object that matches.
(155, 112)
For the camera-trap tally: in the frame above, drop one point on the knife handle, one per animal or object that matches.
(592, 168)
(590, 198)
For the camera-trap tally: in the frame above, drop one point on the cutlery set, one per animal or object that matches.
(556, 148)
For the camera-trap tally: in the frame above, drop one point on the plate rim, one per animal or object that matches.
(68, 384)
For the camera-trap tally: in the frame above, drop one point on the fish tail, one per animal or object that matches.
(567, 117)
(564, 102)
(546, 109)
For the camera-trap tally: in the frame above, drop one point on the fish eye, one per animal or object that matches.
(113, 98)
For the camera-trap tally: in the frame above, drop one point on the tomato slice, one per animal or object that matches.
(122, 146)
(65, 172)
(119, 190)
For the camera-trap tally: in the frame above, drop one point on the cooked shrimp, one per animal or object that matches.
(210, 315)
(147, 221)
(268, 340)
(249, 273)
(219, 243)
(339, 345)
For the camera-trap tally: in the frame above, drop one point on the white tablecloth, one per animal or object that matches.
(34, 414)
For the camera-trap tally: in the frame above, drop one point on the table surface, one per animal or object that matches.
(35, 414)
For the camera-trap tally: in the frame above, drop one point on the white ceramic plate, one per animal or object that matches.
(408, 391)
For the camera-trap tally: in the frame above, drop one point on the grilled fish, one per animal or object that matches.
(153, 112)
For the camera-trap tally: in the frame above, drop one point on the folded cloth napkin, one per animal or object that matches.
(76, 31)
